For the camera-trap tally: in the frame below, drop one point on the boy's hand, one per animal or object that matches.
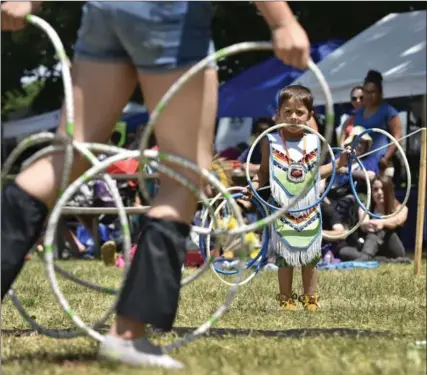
(343, 159)
(247, 194)
(342, 170)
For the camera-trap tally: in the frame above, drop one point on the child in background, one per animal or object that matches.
(288, 160)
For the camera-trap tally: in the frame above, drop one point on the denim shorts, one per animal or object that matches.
(153, 36)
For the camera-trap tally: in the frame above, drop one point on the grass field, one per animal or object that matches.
(387, 300)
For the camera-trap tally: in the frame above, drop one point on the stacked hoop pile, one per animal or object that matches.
(234, 238)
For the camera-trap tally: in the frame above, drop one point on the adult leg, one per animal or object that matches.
(189, 135)
(165, 42)
(185, 128)
(392, 246)
(25, 203)
(371, 246)
(348, 253)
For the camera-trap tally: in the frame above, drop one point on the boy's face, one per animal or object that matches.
(293, 112)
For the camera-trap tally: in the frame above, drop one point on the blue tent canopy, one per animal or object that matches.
(253, 92)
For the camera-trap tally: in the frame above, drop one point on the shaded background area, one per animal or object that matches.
(24, 52)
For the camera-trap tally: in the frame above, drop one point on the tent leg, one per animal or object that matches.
(419, 236)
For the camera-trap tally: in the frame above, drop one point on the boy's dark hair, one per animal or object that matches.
(297, 92)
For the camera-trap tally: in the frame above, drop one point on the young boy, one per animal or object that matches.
(288, 160)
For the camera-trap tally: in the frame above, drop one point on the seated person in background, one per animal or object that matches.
(340, 193)
(331, 225)
(370, 162)
(232, 153)
(356, 96)
(261, 125)
(379, 235)
(223, 171)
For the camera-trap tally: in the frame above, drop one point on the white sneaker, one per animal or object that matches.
(138, 352)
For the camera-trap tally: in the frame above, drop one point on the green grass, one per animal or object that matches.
(389, 299)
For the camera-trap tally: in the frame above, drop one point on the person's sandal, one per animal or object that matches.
(287, 303)
(310, 303)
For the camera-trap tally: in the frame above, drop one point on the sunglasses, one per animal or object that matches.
(356, 98)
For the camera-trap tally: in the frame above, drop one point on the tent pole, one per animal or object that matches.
(419, 236)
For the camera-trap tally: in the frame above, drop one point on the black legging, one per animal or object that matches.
(385, 243)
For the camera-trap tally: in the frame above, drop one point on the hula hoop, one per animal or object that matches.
(42, 138)
(66, 334)
(205, 244)
(69, 145)
(53, 220)
(54, 333)
(32, 140)
(202, 244)
(56, 212)
(84, 178)
(68, 94)
(265, 238)
(237, 48)
(147, 157)
(263, 254)
(405, 162)
(52, 229)
(368, 193)
(308, 186)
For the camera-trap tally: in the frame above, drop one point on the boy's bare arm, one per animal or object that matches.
(342, 161)
(263, 174)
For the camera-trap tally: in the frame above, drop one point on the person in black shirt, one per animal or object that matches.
(331, 226)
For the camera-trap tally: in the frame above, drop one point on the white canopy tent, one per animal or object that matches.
(31, 125)
(394, 46)
(47, 121)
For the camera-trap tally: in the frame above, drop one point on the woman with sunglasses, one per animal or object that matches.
(356, 96)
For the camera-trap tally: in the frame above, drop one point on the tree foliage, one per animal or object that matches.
(24, 52)
(233, 22)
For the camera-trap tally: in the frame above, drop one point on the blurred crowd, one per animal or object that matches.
(375, 239)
